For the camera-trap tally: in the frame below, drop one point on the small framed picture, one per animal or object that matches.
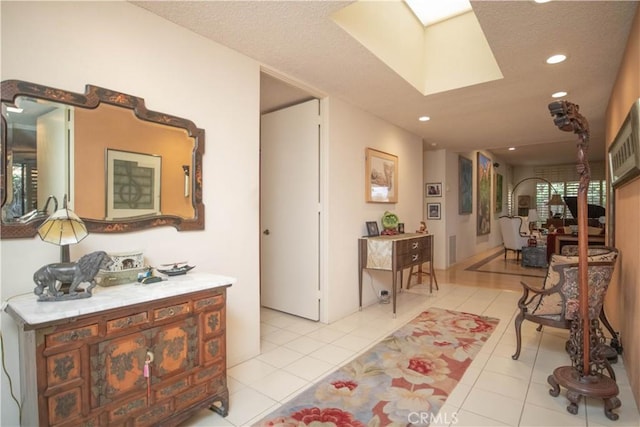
(372, 229)
(433, 189)
(433, 210)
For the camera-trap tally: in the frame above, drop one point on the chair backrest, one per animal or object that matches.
(524, 225)
(510, 227)
(562, 274)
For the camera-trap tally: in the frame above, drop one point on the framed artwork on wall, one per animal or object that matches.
(465, 186)
(133, 184)
(497, 189)
(433, 189)
(381, 177)
(433, 211)
(483, 223)
(624, 152)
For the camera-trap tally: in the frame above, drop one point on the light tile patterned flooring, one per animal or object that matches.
(495, 390)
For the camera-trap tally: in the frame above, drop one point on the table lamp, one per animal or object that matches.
(533, 218)
(63, 228)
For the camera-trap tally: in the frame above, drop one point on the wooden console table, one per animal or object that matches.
(555, 242)
(394, 253)
(131, 354)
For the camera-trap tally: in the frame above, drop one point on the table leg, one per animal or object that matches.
(361, 249)
(393, 291)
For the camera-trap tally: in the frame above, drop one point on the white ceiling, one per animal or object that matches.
(298, 39)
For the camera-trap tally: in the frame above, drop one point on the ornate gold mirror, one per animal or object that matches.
(123, 167)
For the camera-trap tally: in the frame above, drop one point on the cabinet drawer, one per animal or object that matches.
(213, 349)
(71, 335)
(194, 394)
(126, 409)
(409, 259)
(127, 322)
(171, 311)
(210, 302)
(63, 367)
(410, 245)
(156, 413)
(64, 406)
(212, 371)
(212, 322)
(172, 389)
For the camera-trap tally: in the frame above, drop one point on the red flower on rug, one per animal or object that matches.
(319, 417)
(411, 371)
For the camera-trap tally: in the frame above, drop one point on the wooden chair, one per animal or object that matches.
(556, 303)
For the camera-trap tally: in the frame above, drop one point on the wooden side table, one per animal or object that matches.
(394, 253)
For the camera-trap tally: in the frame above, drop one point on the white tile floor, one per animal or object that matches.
(495, 390)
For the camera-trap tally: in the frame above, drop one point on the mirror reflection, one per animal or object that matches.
(122, 168)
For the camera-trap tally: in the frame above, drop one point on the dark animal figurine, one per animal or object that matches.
(71, 274)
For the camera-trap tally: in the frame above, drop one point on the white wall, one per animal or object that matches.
(435, 170)
(350, 132)
(122, 47)
(442, 166)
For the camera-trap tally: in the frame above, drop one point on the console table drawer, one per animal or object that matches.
(414, 258)
(410, 246)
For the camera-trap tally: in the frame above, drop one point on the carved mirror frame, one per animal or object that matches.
(93, 96)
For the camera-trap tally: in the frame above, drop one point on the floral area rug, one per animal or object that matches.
(403, 380)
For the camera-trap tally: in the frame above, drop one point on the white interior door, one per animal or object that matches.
(53, 156)
(290, 210)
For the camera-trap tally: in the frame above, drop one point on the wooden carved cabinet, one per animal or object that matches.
(154, 361)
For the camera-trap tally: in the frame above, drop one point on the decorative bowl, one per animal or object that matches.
(176, 270)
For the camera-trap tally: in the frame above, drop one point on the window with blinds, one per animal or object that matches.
(564, 181)
(596, 195)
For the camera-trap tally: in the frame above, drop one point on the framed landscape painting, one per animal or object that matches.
(381, 177)
(465, 176)
(497, 189)
(483, 224)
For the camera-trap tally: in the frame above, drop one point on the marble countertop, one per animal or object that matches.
(28, 310)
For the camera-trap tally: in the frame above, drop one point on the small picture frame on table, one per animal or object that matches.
(372, 229)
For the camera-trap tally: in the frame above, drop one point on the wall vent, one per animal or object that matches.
(452, 250)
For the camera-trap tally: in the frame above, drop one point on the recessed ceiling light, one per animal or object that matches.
(559, 94)
(555, 59)
(542, 1)
(424, 118)
(512, 148)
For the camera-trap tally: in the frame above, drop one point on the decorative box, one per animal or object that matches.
(126, 268)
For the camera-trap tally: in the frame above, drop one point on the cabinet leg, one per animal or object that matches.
(221, 406)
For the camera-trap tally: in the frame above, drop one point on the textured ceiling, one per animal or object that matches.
(300, 40)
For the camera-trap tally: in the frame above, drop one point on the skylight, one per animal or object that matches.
(431, 12)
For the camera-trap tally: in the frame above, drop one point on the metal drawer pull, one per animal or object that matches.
(171, 312)
(415, 245)
(414, 257)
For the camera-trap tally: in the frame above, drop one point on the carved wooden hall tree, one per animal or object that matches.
(586, 341)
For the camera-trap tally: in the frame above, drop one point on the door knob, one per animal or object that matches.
(266, 232)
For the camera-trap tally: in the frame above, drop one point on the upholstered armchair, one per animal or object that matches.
(556, 303)
(512, 236)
